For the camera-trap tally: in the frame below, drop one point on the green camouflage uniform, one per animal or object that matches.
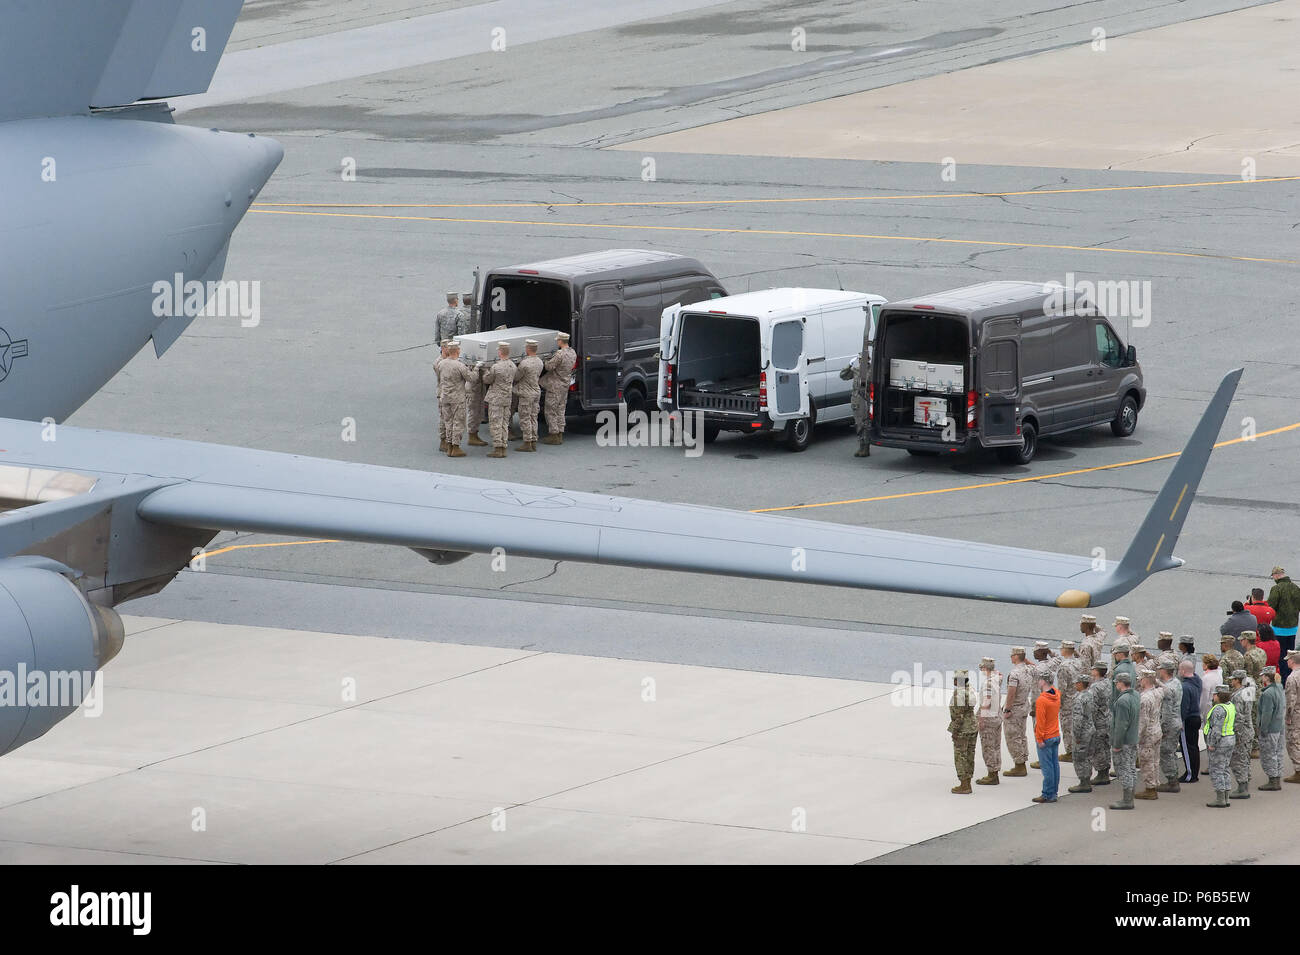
(1244, 701)
(961, 725)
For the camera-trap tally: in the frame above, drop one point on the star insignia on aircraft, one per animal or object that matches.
(9, 350)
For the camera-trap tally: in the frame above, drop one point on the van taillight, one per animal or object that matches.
(871, 401)
(970, 409)
(668, 384)
(762, 391)
(573, 381)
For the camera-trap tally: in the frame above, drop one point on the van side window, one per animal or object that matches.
(717, 293)
(600, 331)
(1108, 351)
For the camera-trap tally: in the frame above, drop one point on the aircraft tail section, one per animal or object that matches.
(65, 57)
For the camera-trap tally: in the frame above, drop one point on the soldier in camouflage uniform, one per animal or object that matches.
(1016, 712)
(1243, 700)
(555, 383)
(1268, 729)
(961, 724)
(442, 399)
(1119, 651)
(1220, 743)
(445, 321)
(1292, 718)
(465, 316)
(989, 722)
(1124, 726)
(1083, 722)
(529, 394)
(1187, 650)
(1068, 668)
(1171, 726)
(1255, 661)
(1100, 693)
(1124, 630)
(1149, 734)
(499, 379)
(1230, 659)
(1043, 666)
(453, 375)
(1141, 658)
(1165, 651)
(859, 372)
(1093, 639)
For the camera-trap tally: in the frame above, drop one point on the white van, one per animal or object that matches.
(764, 361)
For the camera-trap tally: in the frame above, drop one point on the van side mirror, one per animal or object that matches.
(1131, 356)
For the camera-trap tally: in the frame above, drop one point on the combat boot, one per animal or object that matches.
(1146, 794)
(867, 454)
(527, 446)
(1220, 800)
(497, 452)
(1242, 792)
(990, 780)
(963, 786)
(475, 441)
(1034, 765)
(443, 447)
(1125, 802)
(1293, 778)
(1067, 757)
(1273, 785)
(1254, 753)
(1018, 770)
(1102, 778)
(1084, 786)
(455, 451)
(1169, 786)
(552, 438)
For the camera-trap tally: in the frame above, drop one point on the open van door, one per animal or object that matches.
(999, 380)
(601, 345)
(668, 330)
(787, 371)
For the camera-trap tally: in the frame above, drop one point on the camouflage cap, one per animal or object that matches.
(1146, 673)
(986, 663)
(1293, 655)
(1087, 618)
(453, 345)
(452, 296)
(1138, 648)
(1067, 644)
(1269, 671)
(531, 341)
(1223, 688)
(1084, 678)
(1169, 665)
(1015, 650)
(1041, 645)
(1226, 638)
(562, 336)
(960, 676)
(1119, 646)
(1124, 678)
(1101, 667)
(1238, 675)
(467, 296)
(501, 345)
(1123, 620)
(1165, 637)
(1250, 636)
(446, 343)
(1186, 641)
(1277, 572)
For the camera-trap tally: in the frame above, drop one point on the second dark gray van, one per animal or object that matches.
(610, 302)
(998, 365)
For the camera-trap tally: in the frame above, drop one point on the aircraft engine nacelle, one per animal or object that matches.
(52, 642)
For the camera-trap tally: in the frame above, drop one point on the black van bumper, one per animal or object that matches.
(908, 443)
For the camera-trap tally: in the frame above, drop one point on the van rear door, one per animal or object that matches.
(999, 380)
(601, 347)
(669, 325)
(786, 367)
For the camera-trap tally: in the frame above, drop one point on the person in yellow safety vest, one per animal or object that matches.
(1220, 741)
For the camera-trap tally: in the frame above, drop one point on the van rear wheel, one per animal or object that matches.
(798, 433)
(1024, 453)
(1125, 421)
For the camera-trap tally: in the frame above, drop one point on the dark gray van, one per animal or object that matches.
(998, 365)
(610, 303)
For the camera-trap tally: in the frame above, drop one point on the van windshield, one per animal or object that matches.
(517, 302)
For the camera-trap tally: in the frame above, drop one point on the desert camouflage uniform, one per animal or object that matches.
(1014, 727)
(529, 394)
(989, 721)
(555, 382)
(961, 724)
(499, 379)
(1244, 701)
(1100, 759)
(1090, 648)
(1067, 671)
(1168, 656)
(474, 405)
(453, 375)
(1171, 728)
(1149, 737)
(1083, 720)
(1221, 748)
(1269, 730)
(1292, 691)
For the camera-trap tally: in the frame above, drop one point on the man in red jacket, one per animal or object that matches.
(1047, 733)
(1259, 607)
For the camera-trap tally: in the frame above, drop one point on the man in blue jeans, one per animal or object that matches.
(1047, 733)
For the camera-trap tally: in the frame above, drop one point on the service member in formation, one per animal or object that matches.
(1100, 693)
(1243, 701)
(1093, 638)
(1149, 734)
(1256, 660)
(1124, 629)
(1016, 711)
(1082, 726)
(499, 379)
(1165, 650)
(1171, 725)
(1268, 730)
(442, 400)
(1042, 666)
(1124, 726)
(454, 375)
(962, 727)
(529, 394)
(989, 722)
(465, 315)
(1230, 659)
(555, 383)
(1068, 668)
(1220, 742)
(1291, 721)
(1119, 653)
(446, 320)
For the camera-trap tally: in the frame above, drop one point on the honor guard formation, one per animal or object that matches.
(1143, 715)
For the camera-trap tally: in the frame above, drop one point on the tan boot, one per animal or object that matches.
(497, 453)
(1067, 757)
(1034, 765)
(443, 447)
(1146, 794)
(475, 441)
(963, 787)
(990, 780)
(527, 446)
(1018, 770)
(455, 451)
(552, 438)
(1293, 778)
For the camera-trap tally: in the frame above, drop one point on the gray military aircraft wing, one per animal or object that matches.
(164, 486)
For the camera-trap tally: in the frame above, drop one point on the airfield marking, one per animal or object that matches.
(738, 202)
(1022, 480)
(782, 232)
